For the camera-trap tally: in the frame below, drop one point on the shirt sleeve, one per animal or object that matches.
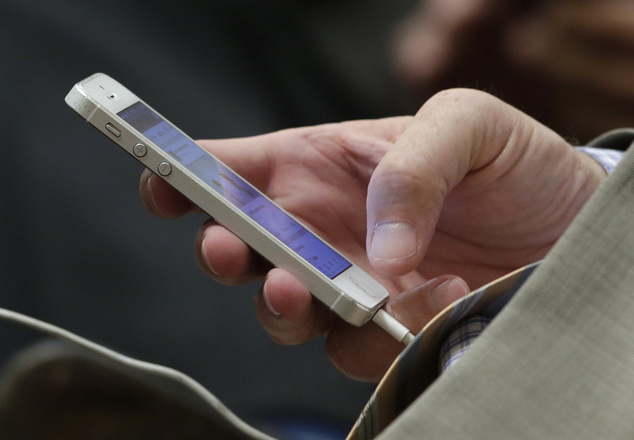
(608, 159)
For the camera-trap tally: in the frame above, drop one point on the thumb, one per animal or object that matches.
(455, 132)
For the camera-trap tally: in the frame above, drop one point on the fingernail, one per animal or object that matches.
(394, 241)
(267, 301)
(150, 193)
(203, 252)
(447, 293)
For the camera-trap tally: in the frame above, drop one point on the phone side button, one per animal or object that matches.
(112, 129)
(139, 150)
(164, 169)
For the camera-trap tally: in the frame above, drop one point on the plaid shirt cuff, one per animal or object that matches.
(608, 159)
(460, 339)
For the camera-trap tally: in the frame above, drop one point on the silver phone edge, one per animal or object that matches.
(343, 305)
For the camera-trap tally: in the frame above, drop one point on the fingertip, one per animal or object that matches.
(287, 311)
(267, 302)
(222, 255)
(395, 268)
(161, 199)
(394, 248)
(147, 196)
(286, 296)
(448, 292)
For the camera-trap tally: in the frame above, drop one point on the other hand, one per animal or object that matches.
(566, 61)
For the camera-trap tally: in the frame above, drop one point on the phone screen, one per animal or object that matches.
(235, 189)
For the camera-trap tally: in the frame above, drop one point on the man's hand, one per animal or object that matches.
(468, 187)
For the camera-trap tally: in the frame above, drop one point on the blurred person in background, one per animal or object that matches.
(568, 63)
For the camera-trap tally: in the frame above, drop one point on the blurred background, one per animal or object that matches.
(78, 250)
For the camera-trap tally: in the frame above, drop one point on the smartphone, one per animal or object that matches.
(272, 232)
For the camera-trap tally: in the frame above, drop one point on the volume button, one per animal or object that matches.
(164, 169)
(139, 150)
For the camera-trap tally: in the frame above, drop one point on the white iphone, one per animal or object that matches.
(150, 138)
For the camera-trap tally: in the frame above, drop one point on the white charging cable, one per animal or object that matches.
(391, 325)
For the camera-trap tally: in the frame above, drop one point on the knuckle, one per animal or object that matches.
(465, 101)
(407, 177)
